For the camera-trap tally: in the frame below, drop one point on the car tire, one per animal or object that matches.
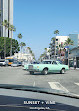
(62, 71)
(45, 71)
(31, 72)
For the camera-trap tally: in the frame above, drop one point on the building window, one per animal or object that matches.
(56, 43)
(56, 46)
(56, 39)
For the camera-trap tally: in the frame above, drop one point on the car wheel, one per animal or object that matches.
(31, 72)
(45, 71)
(62, 71)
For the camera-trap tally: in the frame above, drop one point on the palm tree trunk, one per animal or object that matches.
(19, 44)
(55, 49)
(68, 56)
(60, 53)
(5, 44)
(49, 56)
(19, 41)
(21, 52)
(11, 45)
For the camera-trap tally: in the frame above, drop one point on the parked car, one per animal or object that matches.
(16, 64)
(35, 62)
(24, 63)
(47, 66)
(3, 62)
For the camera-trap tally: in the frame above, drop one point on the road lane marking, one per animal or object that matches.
(34, 84)
(57, 86)
(77, 84)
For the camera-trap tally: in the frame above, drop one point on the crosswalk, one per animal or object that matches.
(59, 86)
(77, 84)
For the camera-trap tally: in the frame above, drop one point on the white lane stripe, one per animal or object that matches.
(57, 86)
(34, 84)
(77, 84)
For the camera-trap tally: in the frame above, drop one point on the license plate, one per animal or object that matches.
(30, 67)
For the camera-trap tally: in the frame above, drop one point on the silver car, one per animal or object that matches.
(16, 64)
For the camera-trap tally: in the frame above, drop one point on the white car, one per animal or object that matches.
(3, 62)
(24, 63)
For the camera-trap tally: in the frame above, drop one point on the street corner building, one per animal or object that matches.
(6, 13)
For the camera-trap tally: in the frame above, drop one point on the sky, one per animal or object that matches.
(37, 20)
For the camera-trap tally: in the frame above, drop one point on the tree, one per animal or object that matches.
(5, 23)
(68, 43)
(31, 52)
(19, 36)
(11, 28)
(28, 48)
(45, 49)
(56, 32)
(22, 44)
(60, 49)
(15, 46)
(0, 18)
(42, 56)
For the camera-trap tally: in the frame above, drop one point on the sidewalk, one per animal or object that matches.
(72, 68)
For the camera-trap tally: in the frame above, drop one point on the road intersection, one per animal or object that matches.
(68, 82)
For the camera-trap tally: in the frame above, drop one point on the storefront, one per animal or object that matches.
(74, 56)
(77, 59)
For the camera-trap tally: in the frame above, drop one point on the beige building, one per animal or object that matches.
(23, 56)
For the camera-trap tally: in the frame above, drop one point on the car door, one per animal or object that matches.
(54, 67)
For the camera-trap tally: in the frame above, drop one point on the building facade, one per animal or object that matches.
(23, 56)
(74, 56)
(75, 39)
(6, 13)
(57, 43)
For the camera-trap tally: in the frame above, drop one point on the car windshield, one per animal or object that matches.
(39, 40)
(10, 60)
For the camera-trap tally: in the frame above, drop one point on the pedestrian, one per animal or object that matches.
(74, 65)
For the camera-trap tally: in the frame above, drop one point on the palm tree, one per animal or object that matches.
(11, 28)
(31, 52)
(56, 32)
(28, 48)
(0, 18)
(59, 49)
(43, 56)
(5, 23)
(19, 36)
(22, 44)
(45, 49)
(68, 43)
(49, 51)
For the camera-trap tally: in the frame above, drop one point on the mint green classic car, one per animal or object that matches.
(47, 66)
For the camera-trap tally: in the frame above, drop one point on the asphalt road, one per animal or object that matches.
(68, 82)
